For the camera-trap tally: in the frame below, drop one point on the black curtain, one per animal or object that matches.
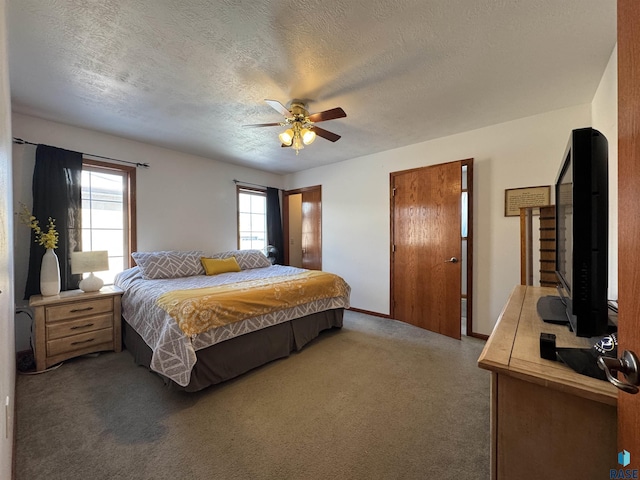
(57, 183)
(275, 236)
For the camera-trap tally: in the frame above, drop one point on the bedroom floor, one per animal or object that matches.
(378, 399)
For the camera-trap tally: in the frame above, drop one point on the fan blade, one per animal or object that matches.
(262, 125)
(321, 132)
(327, 115)
(276, 105)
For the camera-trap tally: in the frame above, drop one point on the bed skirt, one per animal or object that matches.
(233, 357)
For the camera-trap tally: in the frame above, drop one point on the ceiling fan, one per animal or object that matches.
(301, 129)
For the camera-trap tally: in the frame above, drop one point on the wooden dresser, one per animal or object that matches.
(75, 323)
(546, 420)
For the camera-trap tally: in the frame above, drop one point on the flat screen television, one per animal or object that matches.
(582, 232)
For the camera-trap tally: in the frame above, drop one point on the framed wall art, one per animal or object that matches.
(516, 198)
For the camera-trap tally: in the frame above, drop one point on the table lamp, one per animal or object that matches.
(83, 262)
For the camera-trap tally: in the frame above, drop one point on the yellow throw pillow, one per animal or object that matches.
(214, 266)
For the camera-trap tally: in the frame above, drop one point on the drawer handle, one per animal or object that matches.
(83, 341)
(82, 326)
(81, 309)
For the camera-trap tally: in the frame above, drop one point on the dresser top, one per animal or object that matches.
(514, 349)
(73, 295)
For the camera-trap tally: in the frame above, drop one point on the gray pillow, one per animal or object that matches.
(246, 258)
(169, 264)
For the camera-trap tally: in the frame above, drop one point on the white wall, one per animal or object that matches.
(521, 153)
(7, 350)
(604, 111)
(184, 202)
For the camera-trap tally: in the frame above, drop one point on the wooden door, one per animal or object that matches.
(311, 219)
(312, 228)
(425, 229)
(629, 214)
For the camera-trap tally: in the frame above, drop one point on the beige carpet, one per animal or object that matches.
(378, 399)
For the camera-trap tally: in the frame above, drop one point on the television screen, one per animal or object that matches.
(564, 224)
(582, 224)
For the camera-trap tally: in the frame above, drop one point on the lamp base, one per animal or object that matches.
(91, 283)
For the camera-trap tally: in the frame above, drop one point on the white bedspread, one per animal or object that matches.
(174, 353)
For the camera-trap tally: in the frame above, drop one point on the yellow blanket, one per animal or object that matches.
(198, 310)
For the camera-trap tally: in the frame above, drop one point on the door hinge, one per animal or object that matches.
(393, 248)
(393, 192)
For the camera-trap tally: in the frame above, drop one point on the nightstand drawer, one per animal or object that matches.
(80, 341)
(80, 325)
(79, 309)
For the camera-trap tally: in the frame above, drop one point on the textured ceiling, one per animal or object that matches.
(188, 74)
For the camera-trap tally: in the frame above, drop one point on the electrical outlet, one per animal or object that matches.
(6, 417)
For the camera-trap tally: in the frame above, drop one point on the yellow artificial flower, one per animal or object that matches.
(48, 239)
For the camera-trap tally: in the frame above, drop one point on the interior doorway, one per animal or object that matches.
(431, 247)
(302, 212)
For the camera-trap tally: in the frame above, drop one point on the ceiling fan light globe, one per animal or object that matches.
(308, 136)
(286, 137)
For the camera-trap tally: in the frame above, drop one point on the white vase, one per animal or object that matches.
(50, 274)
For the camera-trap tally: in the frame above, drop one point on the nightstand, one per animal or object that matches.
(75, 323)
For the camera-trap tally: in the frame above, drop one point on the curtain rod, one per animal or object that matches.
(20, 141)
(252, 184)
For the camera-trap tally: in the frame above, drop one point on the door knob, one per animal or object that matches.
(452, 260)
(627, 364)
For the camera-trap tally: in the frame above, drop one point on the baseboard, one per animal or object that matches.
(481, 336)
(368, 312)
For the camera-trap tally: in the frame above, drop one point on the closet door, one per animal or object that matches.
(302, 214)
(312, 228)
(426, 247)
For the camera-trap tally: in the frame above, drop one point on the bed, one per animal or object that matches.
(197, 327)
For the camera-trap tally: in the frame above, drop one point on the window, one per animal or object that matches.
(108, 213)
(252, 218)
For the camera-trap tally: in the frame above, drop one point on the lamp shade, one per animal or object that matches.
(308, 136)
(82, 262)
(286, 137)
